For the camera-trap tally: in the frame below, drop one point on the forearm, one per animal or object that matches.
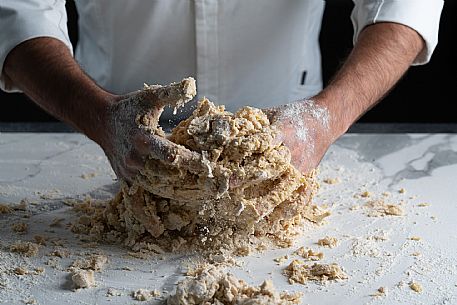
(45, 70)
(381, 56)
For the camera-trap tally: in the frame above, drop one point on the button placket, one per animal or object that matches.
(206, 33)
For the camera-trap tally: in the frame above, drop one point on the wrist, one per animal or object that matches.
(95, 123)
(341, 117)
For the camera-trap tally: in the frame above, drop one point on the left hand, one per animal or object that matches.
(304, 127)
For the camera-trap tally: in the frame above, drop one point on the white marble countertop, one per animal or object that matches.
(46, 168)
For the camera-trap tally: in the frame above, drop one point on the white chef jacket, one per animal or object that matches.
(242, 52)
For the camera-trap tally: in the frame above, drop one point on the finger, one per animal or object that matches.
(174, 94)
(134, 161)
(171, 153)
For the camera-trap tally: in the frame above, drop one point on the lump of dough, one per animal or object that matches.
(244, 187)
(213, 286)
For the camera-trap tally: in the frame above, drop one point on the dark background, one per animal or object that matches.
(426, 94)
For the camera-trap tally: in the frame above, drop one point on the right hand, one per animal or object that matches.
(129, 140)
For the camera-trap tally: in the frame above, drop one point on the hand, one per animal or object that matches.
(131, 133)
(304, 127)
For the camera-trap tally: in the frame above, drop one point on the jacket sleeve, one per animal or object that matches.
(21, 20)
(421, 15)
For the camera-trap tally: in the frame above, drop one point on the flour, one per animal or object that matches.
(295, 115)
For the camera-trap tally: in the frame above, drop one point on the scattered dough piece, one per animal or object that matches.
(88, 175)
(380, 292)
(365, 194)
(402, 191)
(20, 227)
(144, 294)
(60, 252)
(331, 180)
(40, 239)
(213, 286)
(21, 271)
(299, 272)
(83, 278)
(379, 208)
(423, 204)
(25, 247)
(328, 241)
(94, 262)
(416, 287)
(309, 254)
(281, 259)
(5, 208)
(113, 292)
(415, 238)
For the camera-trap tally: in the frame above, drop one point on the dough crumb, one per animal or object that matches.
(402, 191)
(214, 286)
(83, 278)
(416, 287)
(88, 176)
(60, 252)
(40, 239)
(423, 204)
(415, 238)
(327, 241)
(332, 180)
(25, 248)
(21, 271)
(378, 208)
(366, 194)
(5, 208)
(94, 262)
(380, 292)
(299, 272)
(20, 227)
(309, 254)
(113, 293)
(280, 260)
(144, 294)
(30, 302)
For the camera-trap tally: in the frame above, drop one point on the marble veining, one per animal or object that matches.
(46, 169)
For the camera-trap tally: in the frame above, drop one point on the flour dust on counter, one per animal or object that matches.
(409, 258)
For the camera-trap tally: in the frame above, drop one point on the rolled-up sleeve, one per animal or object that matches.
(21, 20)
(421, 15)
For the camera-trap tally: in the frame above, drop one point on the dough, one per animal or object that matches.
(328, 241)
(299, 272)
(25, 248)
(242, 187)
(213, 286)
(309, 254)
(144, 294)
(94, 262)
(83, 278)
